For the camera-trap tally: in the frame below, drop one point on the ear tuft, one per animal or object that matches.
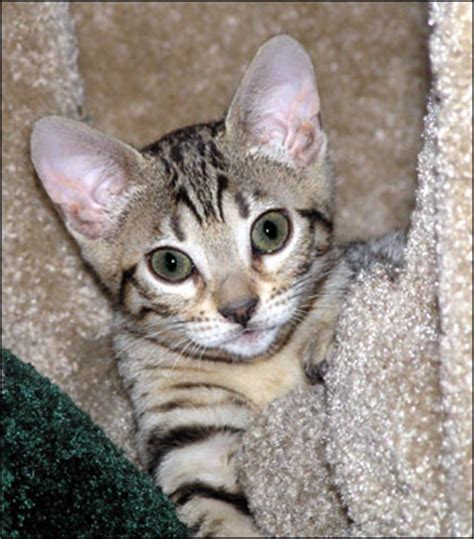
(82, 170)
(277, 103)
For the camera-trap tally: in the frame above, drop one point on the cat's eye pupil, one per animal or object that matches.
(170, 262)
(270, 229)
(270, 232)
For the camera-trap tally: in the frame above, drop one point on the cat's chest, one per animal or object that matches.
(156, 373)
(267, 380)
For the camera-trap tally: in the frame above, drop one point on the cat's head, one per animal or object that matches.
(213, 235)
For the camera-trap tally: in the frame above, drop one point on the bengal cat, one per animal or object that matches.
(216, 246)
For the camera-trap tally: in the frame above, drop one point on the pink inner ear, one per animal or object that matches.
(278, 101)
(88, 221)
(291, 122)
(63, 188)
(81, 170)
(75, 196)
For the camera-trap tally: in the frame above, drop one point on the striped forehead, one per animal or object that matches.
(195, 169)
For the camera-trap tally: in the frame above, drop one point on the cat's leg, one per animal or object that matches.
(317, 354)
(200, 478)
(189, 444)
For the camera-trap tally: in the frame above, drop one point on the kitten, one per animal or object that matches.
(215, 244)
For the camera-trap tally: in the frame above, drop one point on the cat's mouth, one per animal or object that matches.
(251, 335)
(250, 342)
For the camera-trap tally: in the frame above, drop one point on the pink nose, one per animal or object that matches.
(240, 311)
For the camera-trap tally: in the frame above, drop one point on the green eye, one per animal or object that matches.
(270, 231)
(171, 265)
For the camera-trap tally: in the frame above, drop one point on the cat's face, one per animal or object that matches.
(209, 239)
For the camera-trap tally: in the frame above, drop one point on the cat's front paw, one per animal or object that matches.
(315, 372)
(317, 356)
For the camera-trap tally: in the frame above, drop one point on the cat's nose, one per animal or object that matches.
(240, 311)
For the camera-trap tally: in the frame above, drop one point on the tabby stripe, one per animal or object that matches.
(175, 154)
(201, 147)
(204, 169)
(153, 148)
(222, 184)
(158, 308)
(242, 204)
(305, 267)
(205, 202)
(192, 385)
(188, 491)
(176, 226)
(189, 404)
(173, 405)
(173, 179)
(167, 166)
(127, 275)
(145, 293)
(182, 196)
(143, 313)
(315, 216)
(216, 127)
(159, 443)
(216, 157)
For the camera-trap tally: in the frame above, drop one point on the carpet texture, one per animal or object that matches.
(62, 477)
(384, 448)
(53, 313)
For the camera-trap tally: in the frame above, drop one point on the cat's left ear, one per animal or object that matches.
(85, 172)
(277, 103)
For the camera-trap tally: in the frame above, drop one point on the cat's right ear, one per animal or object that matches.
(83, 171)
(277, 104)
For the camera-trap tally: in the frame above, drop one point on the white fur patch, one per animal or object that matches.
(206, 461)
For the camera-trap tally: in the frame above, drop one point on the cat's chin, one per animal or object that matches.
(250, 343)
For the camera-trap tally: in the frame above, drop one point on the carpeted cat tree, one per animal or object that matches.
(384, 446)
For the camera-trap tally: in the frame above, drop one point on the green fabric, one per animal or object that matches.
(61, 475)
